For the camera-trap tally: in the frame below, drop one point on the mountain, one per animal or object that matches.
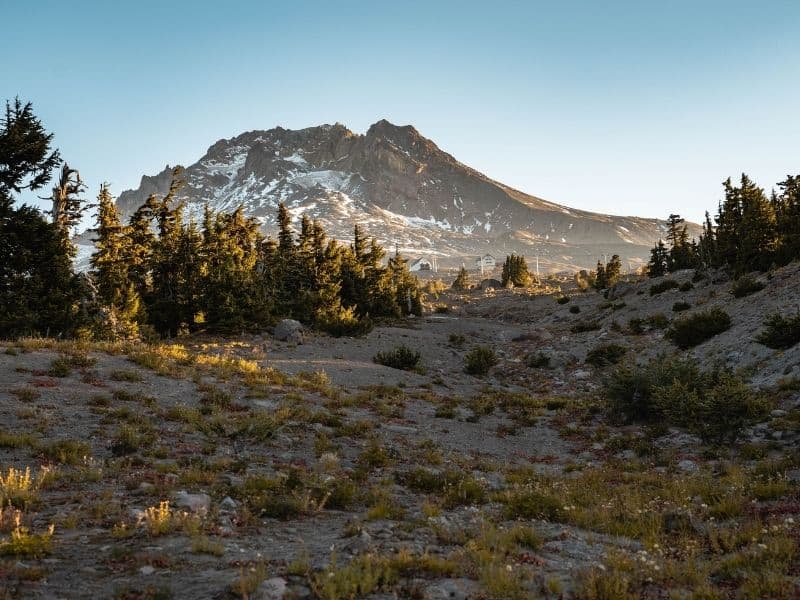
(403, 189)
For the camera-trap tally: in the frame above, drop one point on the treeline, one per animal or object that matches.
(751, 232)
(223, 275)
(162, 274)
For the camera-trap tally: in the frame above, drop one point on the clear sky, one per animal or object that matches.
(638, 107)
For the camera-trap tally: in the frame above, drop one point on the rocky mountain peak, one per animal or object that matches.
(400, 187)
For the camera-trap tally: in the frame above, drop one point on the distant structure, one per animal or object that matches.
(421, 264)
(485, 263)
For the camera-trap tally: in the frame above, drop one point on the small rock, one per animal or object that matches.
(271, 589)
(289, 330)
(146, 486)
(777, 413)
(581, 374)
(688, 466)
(147, 570)
(228, 504)
(196, 503)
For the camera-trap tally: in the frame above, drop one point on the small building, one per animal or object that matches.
(420, 264)
(486, 262)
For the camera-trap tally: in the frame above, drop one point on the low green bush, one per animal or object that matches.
(715, 405)
(746, 285)
(695, 329)
(479, 360)
(780, 332)
(606, 354)
(583, 326)
(686, 286)
(660, 288)
(540, 360)
(402, 357)
(562, 299)
(574, 309)
(681, 306)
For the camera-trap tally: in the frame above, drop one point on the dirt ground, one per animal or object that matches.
(308, 470)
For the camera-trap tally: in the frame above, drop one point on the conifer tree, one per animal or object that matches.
(659, 260)
(117, 293)
(462, 280)
(613, 270)
(39, 293)
(68, 207)
(600, 279)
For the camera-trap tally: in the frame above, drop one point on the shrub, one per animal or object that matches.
(574, 309)
(606, 354)
(628, 390)
(686, 286)
(479, 360)
(562, 299)
(681, 306)
(583, 326)
(540, 360)
(342, 322)
(456, 340)
(690, 331)
(746, 285)
(658, 321)
(402, 357)
(660, 288)
(715, 406)
(781, 332)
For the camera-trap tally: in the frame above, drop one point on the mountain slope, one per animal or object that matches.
(402, 188)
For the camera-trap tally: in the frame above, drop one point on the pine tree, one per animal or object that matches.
(787, 214)
(68, 207)
(515, 272)
(117, 294)
(659, 260)
(39, 293)
(613, 270)
(600, 279)
(462, 280)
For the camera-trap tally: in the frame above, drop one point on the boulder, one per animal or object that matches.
(289, 330)
(196, 503)
(271, 589)
(494, 284)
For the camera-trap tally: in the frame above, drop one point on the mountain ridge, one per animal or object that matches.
(402, 188)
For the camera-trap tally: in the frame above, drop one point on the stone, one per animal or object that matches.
(270, 589)
(777, 413)
(147, 570)
(289, 330)
(450, 589)
(688, 466)
(196, 503)
(228, 504)
(581, 374)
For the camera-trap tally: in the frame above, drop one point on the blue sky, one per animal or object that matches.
(622, 107)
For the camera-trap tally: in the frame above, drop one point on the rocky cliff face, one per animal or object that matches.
(402, 188)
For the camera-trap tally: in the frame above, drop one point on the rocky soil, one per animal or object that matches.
(306, 470)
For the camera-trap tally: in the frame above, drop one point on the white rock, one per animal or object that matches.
(271, 589)
(688, 466)
(196, 503)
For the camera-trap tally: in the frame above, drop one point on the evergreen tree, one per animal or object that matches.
(787, 214)
(462, 280)
(600, 279)
(659, 260)
(515, 272)
(68, 207)
(39, 293)
(613, 270)
(117, 294)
